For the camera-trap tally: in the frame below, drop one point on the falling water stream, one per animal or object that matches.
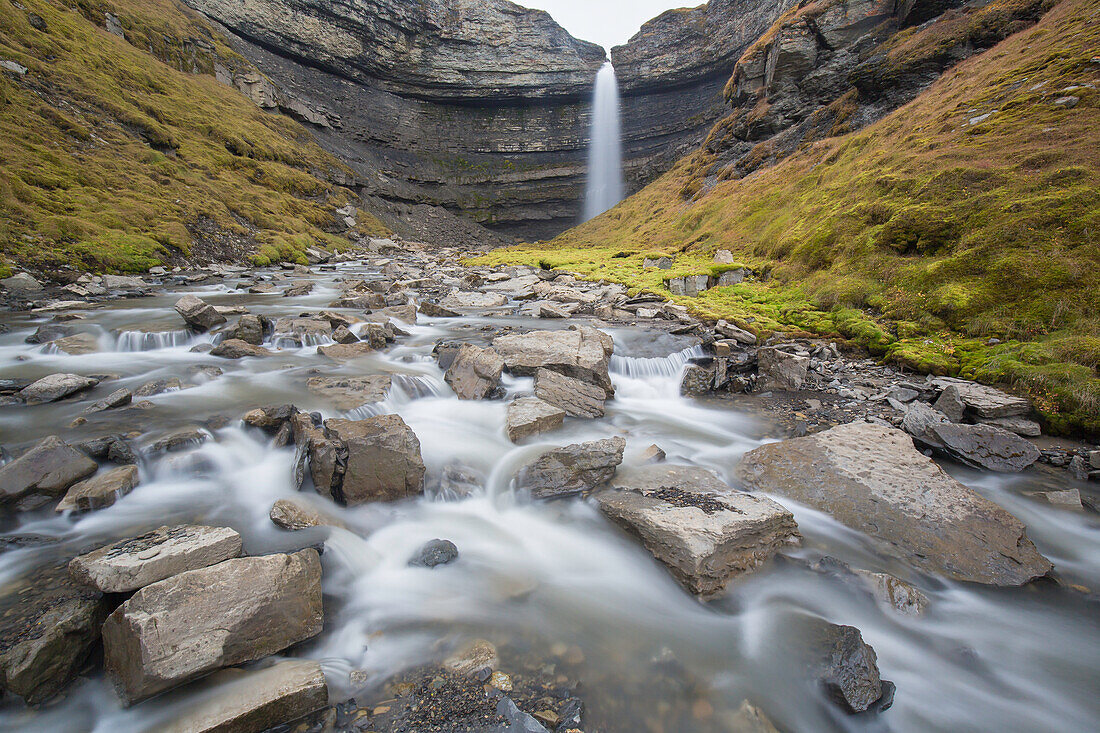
(1022, 659)
(604, 187)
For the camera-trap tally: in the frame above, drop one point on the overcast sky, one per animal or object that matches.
(606, 22)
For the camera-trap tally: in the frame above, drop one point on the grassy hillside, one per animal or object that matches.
(967, 217)
(116, 154)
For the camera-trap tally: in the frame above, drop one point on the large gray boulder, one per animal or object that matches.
(780, 370)
(240, 701)
(473, 299)
(48, 628)
(693, 522)
(198, 314)
(100, 491)
(577, 397)
(581, 352)
(986, 446)
(573, 469)
(872, 479)
(348, 393)
(475, 372)
(528, 416)
(45, 471)
(920, 418)
(21, 283)
(377, 459)
(984, 401)
(134, 563)
(238, 349)
(55, 387)
(202, 620)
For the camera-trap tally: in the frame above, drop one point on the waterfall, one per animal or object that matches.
(604, 188)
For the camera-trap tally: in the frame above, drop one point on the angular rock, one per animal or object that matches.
(343, 335)
(344, 352)
(49, 332)
(270, 419)
(693, 522)
(198, 314)
(577, 397)
(76, 345)
(571, 470)
(118, 398)
(435, 310)
(348, 393)
(48, 628)
(845, 665)
(872, 479)
(122, 282)
(697, 381)
(951, 405)
(100, 491)
(739, 335)
(21, 283)
(179, 440)
(249, 328)
(46, 470)
(985, 401)
(1019, 425)
(136, 562)
(201, 620)
(780, 370)
(238, 349)
(239, 701)
(920, 418)
(295, 514)
(315, 326)
(473, 299)
(158, 386)
(579, 352)
(475, 372)
(380, 459)
(529, 416)
(986, 446)
(433, 553)
(55, 387)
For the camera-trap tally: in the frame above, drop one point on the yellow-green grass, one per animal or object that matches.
(110, 154)
(922, 237)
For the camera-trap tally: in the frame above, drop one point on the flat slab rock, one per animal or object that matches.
(872, 479)
(202, 620)
(986, 446)
(576, 397)
(580, 352)
(46, 470)
(239, 701)
(140, 561)
(101, 490)
(475, 372)
(528, 416)
(56, 387)
(985, 401)
(348, 393)
(702, 530)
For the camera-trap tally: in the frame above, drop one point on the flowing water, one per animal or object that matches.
(546, 574)
(604, 187)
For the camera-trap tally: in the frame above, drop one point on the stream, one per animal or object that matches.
(540, 576)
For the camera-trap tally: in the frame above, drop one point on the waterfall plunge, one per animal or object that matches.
(604, 188)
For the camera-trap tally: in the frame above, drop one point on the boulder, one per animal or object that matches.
(1019, 425)
(577, 397)
(240, 701)
(872, 479)
(377, 459)
(473, 299)
(178, 440)
(344, 352)
(846, 667)
(529, 416)
(50, 332)
(433, 553)
(435, 310)
(76, 345)
(21, 284)
(315, 326)
(271, 418)
(730, 331)
(343, 335)
(986, 446)
(46, 470)
(118, 398)
(238, 349)
(950, 404)
(158, 386)
(134, 563)
(122, 282)
(55, 387)
(198, 314)
(571, 470)
(920, 418)
(695, 524)
(475, 372)
(48, 628)
(296, 514)
(249, 328)
(780, 370)
(581, 352)
(985, 401)
(348, 393)
(196, 622)
(100, 491)
(697, 381)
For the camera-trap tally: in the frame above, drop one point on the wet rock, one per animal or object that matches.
(986, 446)
(1068, 499)
(55, 387)
(348, 393)
(100, 491)
(262, 288)
(473, 299)
(780, 370)
(179, 440)
(271, 418)
(571, 470)
(158, 386)
(121, 452)
(240, 701)
(118, 398)
(739, 335)
(517, 720)
(891, 592)
(46, 470)
(296, 514)
(344, 352)
(748, 719)
(697, 381)
(201, 620)
(50, 332)
(580, 352)
(652, 454)
(136, 562)
(433, 553)
(871, 478)
(299, 290)
(343, 335)
(528, 416)
(846, 666)
(238, 349)
(76, 345)
(435, 310)
(475, 372)
(476, 656)
(198, 314)
(377, 459)
(693, 522)
(577, 397)
(249, 328)
(48, 628)
(314, 326)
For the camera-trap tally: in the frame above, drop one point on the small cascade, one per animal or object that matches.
(662, 366)
(604, 187)
(152, 340)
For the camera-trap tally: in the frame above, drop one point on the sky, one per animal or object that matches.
(606, 22)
